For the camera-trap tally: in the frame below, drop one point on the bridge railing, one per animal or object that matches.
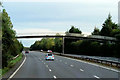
(91, 36)
(93, 59)
(75, 34)
(102, 37)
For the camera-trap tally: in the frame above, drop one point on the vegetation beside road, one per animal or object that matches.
(11, 63)
(85, 47)
(11, 47)
(48, 44)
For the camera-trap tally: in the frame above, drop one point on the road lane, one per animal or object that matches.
(33, 68)
(62, 70)
(37, 67)
(90, 69)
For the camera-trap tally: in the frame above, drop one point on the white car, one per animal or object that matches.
(49, 51)
(41, 50)
(49, 57)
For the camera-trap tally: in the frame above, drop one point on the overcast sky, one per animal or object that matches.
(34, 16)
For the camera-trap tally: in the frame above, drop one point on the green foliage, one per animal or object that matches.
(96, 31)
(58, 45)
(11, 63)
(74, 30)
(54, 44)
(10, 45)
(107, 27)
(117, 36)
(92, 48)
(45, 44)
(114, 26)
(115, 32)
(85, 47)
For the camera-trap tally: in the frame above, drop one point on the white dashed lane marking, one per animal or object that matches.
(96, 77)
(81, 70)
(50, 70)
(92, 64)
(54, 77)
(72, 65)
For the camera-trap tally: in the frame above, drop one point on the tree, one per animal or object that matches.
(115, 32)
(118, 36)
(114, 26)
(107, 27)
(96, 31)
(10, 45)
(58, 44)
(74, 30)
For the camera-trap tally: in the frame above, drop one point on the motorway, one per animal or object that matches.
(36, 66)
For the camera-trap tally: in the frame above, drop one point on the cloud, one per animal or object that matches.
(53, 27)
(82, 1)
(37, 31)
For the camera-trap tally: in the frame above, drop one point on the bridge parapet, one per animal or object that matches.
(91, 36)
(102, 37)
(75, 34)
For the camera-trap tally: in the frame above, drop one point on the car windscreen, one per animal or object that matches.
(49, 54)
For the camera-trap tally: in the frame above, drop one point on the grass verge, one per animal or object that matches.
(11, 64)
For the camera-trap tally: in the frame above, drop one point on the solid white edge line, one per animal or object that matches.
(96, 77)
(92, 64)
(55, 77)
(17, 69)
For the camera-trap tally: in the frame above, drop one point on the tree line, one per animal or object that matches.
(11, 47)
(85, 47)
(95, 48)
(54, 44)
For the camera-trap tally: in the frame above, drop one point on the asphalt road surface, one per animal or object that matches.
(36, 66)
